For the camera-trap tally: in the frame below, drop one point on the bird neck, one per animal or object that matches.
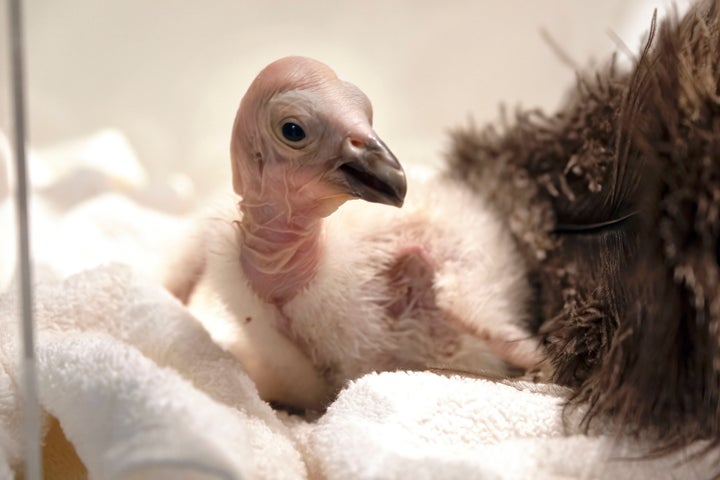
(280, 249)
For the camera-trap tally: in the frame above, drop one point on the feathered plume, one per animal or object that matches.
(615, 201)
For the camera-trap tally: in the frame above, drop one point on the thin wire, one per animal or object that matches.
(32, 440)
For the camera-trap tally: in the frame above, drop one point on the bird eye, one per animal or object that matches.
(293, 132)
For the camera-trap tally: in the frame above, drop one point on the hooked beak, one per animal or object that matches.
(371, 172)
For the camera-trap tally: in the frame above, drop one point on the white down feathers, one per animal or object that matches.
(339, 326)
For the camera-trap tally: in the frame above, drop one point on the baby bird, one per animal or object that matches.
(309, 294)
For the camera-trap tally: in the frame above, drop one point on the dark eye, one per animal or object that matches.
(293, 132)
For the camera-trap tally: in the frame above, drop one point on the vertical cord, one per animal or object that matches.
(32, 440)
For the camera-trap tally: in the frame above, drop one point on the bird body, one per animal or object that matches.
(425, 286)
(310, 294)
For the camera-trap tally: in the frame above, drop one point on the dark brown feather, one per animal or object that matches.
(615, 201)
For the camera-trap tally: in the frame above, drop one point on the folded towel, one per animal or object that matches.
(91, 202)
(138, 385)
(141, 391)
(421, 425)
(125, 416)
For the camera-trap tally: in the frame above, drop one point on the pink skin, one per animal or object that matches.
(287, 188)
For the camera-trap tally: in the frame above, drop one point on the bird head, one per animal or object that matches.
(304, 137)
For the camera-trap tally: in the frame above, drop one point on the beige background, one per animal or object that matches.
(170, 73)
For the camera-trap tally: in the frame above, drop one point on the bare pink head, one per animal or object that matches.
(300, 119)
(302, 144)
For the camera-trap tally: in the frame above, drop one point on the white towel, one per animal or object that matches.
(423, 426)
(125, 416)
(142, 392)
(137, 384)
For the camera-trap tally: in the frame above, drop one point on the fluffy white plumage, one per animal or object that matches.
(435, 284)
(340, 324)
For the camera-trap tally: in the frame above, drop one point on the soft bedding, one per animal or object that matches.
(131, 386)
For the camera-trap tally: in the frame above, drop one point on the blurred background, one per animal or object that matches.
(168, 75)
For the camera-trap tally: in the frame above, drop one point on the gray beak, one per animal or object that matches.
(372, 172)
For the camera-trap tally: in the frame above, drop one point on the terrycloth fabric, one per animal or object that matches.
(137, 384)
(422, 425)
(141, 392)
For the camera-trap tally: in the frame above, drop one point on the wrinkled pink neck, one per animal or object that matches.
(280, 250)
